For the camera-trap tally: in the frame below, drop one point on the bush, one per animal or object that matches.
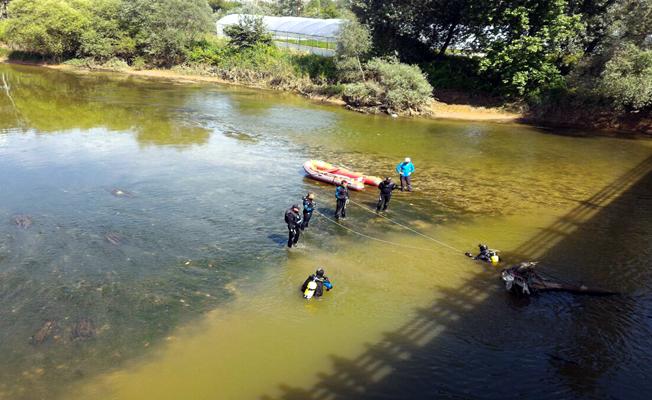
(627, 78)
(365, 94)
(248, 32)
(104, 37)
(51, 28)
(405, 86)
(164, 30)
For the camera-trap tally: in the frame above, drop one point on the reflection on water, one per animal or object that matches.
(185, 287)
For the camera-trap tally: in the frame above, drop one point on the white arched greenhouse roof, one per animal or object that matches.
(328, 28)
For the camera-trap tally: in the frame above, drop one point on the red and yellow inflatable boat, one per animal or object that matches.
(329, 173)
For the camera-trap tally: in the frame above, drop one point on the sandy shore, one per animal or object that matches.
(439, 110)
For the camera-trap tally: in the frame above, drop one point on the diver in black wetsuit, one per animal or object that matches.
(486, 254)
(386, 188)
(294, 221)
(342, 196)
(308, 208)
(315, 283)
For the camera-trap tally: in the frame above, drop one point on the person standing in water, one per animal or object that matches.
(308, 208)
(315, 283)
(294, 221)
(405, 169)
(342, 196)
(386, 187)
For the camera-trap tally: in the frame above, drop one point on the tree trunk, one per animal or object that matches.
(449, 38)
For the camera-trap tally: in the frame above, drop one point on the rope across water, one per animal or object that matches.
(371, 237)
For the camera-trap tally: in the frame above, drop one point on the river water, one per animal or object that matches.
(187, 291)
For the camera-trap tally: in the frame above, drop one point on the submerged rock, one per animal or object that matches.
(22, 221)
(43, 332)
(83, 329)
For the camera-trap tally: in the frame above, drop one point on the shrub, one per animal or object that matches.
(364, 94)
(320, 69)
(51, 28)
(627, 78)
(248, 32)
(104, 36)
(405, 86)
(164, 30)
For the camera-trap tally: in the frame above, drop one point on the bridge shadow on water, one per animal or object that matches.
(476, 341)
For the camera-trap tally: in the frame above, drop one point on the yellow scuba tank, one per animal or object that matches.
(493, 257)
(310, 290)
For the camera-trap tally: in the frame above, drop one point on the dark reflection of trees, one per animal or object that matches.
(51, 101)
(477, 342)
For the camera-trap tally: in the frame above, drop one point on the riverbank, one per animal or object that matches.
(438, 110)
(564, 119)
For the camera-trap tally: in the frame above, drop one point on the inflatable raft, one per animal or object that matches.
(326, 172)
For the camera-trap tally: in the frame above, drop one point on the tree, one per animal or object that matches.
(104, 37)
(52, 28)
(290, 7)
(250, 31)
(418, 30)
(627, 78)
(164, 30)
(353, 43)
(529, 45)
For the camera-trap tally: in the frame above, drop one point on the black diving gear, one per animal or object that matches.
(294, 221)
(315, 283)
(486, 254)
(342, 196)
(386, 188)
(308, 208)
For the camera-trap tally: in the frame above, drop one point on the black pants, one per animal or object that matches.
(340, 211)
(306, 219)
(293, 236)
(383, 201)
(406, 181)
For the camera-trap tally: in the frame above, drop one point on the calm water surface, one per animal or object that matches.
(196, 297)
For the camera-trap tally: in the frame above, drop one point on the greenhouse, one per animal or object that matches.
(317, 36)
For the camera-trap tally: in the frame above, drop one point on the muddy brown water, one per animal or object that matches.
(199, 299)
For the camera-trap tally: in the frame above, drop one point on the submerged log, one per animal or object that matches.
(522, 279)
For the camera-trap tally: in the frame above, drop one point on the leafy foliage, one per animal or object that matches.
(248, 32)
(529, 45)
(161, 30)
(405, 86)
(52, 28)
(164, 29)
(353, 45)
(627, 78)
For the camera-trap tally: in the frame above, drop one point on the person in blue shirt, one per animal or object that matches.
(308, 208)
(342, 196)
(405, 169)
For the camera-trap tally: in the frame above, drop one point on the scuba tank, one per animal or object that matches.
(493, 257)
(310, 290)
